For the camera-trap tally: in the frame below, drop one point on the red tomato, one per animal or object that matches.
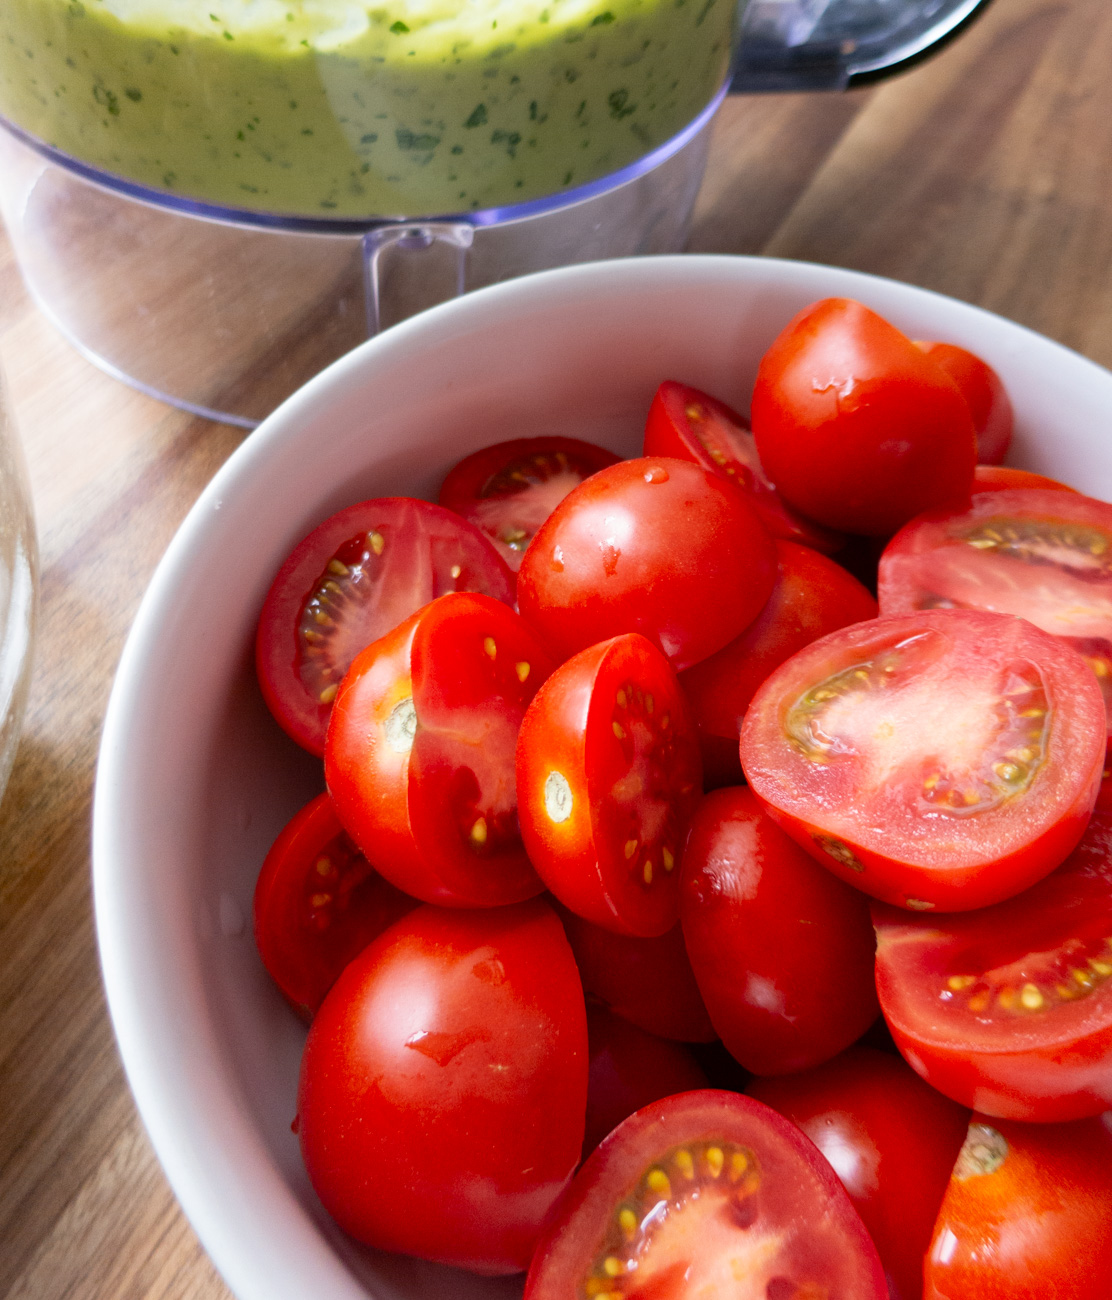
(692, 425)
(890, 1139)
(444, 1085)
(1009, 1009)
(318, 903)
(855, 426)
(508, 490)
(706, 1194)
(648, 982)
(984, 391)
(1027, 1215)
(812, 596)
(607, 777)
(348, 583)
(944, 760)
(657, 546)
(420, 752)
(1001, 478)
(781, 950)
(628, 1069)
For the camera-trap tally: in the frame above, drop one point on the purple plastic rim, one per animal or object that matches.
(360, 225)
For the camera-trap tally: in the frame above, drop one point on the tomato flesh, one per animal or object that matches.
(508, 490)
(1009, 1010)
(939, 761)
(607, 776)
(705, 1194)
(353, 579)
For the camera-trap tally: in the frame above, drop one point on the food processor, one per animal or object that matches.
(213, 199)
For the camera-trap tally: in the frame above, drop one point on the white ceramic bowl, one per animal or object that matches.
(195, 779)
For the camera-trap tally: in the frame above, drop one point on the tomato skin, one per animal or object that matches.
(421, 552)
(984, 391)
(608, 856)
(865, 804)
(408, 797)
(630, 1068)
(657, 546)
(805, 1224)
(1027, 1215)
(648, 982)
(782, 951)
(943, 982)
(1006, 478)
(891, 1139)
(444, 1084)
(857, 428)
(689, 424)
(812, 596)
(317, 905)
(507, 490)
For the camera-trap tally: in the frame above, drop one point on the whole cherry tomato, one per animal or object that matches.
(444, 1086)
(984, 391)
(657, 546)
(858, 428)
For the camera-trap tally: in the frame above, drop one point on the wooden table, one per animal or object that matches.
(985, 174)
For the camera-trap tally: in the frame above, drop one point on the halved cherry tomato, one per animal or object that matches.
(1009, 1009)
(781, 950)
(444, 1085)
(420, 752)
(508, 490)
(1003, 478)
(657, 546)
(857, 428)
(939, 761)
(628, 1069)
(648, 982)
(318, 903)
(984, 391)
(812, 596)
(706, 1194)
(1027, 1215)
(607, 777)
(349, 582)
(692, 425)
(890, 1138)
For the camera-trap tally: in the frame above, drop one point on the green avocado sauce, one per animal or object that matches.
(350, 108)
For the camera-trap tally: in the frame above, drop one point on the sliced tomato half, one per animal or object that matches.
(352, 580)
(940, 761)
(508, 490)
(690, 424)
(1009, 1009)
(1005, 478)
(706, 1194)
(607, 778)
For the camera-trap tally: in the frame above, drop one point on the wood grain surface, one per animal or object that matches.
(985, 173)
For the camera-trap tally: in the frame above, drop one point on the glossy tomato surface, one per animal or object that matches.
(629, 1068)
(890, 1138)
(1027, 1215)
(509, 489)
(706, 1194)
(782, 951)
(420, 753)
(318, 903)
(985, 394)
(1009, 1009)
(607, 777)
(855, 425)
(657, 546)
(352, 580)
(813, 596)
(688, 423)
(444, 1085)
(940, 761)
(648, 982)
